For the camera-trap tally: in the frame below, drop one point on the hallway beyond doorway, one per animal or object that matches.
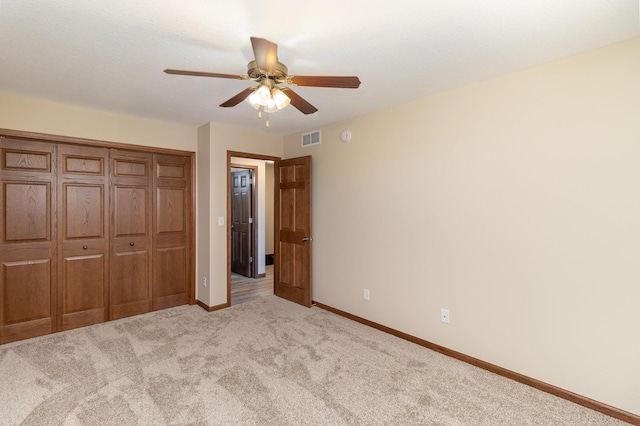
(245, 289)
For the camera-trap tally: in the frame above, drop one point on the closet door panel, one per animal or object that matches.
(27, 217)
(83, 210)
(130, 290)
(171, 231)
(26, 294)
(131, 217)
(171, 210)
(27, 239)
(83, 237)
(170, 288)
(84, 288)
(131, 211)
(26, 158)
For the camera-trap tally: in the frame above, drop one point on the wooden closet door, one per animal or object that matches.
(83, 236)
(27, 239)
(171, 254)
(130, 270)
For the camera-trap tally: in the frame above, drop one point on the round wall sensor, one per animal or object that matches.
(345, 136)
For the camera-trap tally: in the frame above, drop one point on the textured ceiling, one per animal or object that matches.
(110, 54)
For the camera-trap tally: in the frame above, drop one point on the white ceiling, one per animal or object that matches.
(110, 54)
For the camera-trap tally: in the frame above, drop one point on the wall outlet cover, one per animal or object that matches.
(444, 316)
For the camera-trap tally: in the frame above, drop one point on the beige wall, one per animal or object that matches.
(204, 221)
(220, 139)
(514, 203)
(37, 115)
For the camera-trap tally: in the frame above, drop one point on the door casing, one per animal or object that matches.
(277, 161)
(231, 164)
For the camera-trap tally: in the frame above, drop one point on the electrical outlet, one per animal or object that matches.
(444, 316)
(366, 294)
(204, 282)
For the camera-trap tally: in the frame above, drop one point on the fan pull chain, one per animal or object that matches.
(266, 115)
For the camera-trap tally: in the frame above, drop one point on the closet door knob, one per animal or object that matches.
(131, 244)
(84, 247)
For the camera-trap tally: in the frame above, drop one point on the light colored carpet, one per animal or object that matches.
(266, 362)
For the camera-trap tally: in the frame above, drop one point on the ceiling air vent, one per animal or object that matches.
(311, 138)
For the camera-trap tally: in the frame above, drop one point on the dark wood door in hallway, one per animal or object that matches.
(241, 221)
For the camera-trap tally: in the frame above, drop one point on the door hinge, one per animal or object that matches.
(250, 220)
(250, 259)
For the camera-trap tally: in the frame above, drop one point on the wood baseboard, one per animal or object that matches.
(212, 308)
(545, 387)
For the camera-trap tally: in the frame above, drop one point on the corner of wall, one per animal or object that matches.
(203, 172)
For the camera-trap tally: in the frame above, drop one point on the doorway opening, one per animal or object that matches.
(250, 226)
(244, 220)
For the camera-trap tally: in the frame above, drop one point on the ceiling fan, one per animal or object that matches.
(265, 70)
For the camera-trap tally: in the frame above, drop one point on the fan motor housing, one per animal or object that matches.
(255, 73)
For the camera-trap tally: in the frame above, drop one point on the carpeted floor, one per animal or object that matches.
(266, 362)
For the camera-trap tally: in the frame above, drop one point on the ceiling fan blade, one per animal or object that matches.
(266, 54)
(297, 101)
(325, 81)
(238, 98)
(207, 74)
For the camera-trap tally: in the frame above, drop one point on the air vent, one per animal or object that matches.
(311, 138)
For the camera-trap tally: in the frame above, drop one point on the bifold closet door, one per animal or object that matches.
(130, 255)
(171, 231)
(83, 236)
(27, 239)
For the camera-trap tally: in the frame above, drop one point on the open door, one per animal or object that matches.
(292, 213)
(241, 221)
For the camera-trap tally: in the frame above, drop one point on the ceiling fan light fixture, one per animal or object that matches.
(264, 94)
(254, 100)
(269, 99)
(261, 97)
(279, 98)
(271, 106)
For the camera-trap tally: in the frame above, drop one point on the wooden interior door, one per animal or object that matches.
(130, 254)
(171, 249)
(83, 236)
(292, 212)
(241, 222)
(27, 239)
